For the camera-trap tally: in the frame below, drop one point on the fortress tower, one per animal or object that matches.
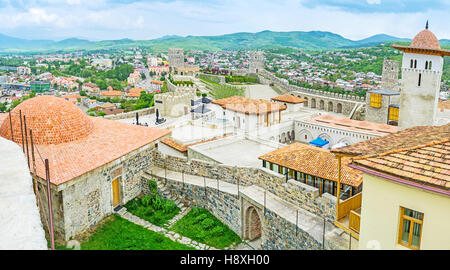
(421, 79)
(389, 77)
(256, 62)
(176, 58)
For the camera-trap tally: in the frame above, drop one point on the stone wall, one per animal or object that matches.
(224, 206)
(292, 191)
(86, 200)
(132, 114)
(212, 77)
(316, 99)
(280, 234)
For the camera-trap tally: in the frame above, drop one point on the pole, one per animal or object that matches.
(338, 187)
(182, 177)
(204, 183)
(21, 130)
(10, 125)
(26, 140)
(264, 202)
(323, 235)
(49, 201)
(34, 165)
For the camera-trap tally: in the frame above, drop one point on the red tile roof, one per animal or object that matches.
(406, 138)
(313, 161)
(111, 93)
(248, 105)
(428, 164)
(72, 156)
(289, 99)
(353, 125)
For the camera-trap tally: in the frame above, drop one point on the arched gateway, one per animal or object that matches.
(252, 224)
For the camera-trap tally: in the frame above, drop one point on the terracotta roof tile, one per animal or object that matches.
(432, 168)
(353, 125)
(289, 99)
(71, 155)
(249, 105)
(406, 138)
(314, 161)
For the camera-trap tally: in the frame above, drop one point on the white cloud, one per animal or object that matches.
(100, 19)
(374, 2)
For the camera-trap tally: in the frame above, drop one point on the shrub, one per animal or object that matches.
(200, 217)
(217, 231)
(145, 200)
(207, 223)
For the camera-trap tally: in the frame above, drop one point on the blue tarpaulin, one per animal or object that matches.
(319, 142)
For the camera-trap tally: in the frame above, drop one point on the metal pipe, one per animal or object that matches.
(26, 140)
(49, 201)
(21, 130)
(10, 125)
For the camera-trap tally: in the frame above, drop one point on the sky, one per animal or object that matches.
(149, 19)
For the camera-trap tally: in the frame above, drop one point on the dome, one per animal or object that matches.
(426, 40)
(53, 121)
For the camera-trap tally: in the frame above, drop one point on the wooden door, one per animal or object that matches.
(116, 195)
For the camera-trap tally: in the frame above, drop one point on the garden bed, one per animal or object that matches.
(202, 226)
(152, 207)
(116, 233)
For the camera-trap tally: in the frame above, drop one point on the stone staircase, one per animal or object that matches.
(163, 191)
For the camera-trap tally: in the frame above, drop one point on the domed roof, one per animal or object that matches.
(53, 121)
(426, 39)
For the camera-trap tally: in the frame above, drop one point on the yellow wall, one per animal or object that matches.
(380, 214)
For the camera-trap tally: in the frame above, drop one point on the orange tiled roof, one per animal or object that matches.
(62, 121)
(184, 148)
(157, 82)
(406, 138)
(107, 106)
(105, 141)
(429, 163)
(111, 93)
(289, 99)
(136, 90)
(249, 105)
(353, 125)
(444, 105)
(426, 39)
(133, 95)
(314, 161)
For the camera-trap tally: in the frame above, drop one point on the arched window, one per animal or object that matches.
(426, 64)
(415, 63)
(420, 79)
(412, 63)
(429, 65)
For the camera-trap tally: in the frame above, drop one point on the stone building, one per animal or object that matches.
(389, 76)
(256, 61)
(176, 58)
(175, 103)
(95, 164)
(422, 66)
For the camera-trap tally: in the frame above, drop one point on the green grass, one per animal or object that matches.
(202, 226)
(223, 91)
(116, 233)
(153, 208)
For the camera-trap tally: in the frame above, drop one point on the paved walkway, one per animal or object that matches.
(308, 222)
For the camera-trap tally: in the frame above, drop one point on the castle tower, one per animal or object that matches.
(421, 80)
(256, 62)
(389, 76)
(176, 58)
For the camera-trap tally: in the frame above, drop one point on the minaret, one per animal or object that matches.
(422, 67)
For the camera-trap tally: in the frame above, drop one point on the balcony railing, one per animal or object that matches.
(346, 206)
(354, 221)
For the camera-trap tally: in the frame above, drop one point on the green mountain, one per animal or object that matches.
(313, 40)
